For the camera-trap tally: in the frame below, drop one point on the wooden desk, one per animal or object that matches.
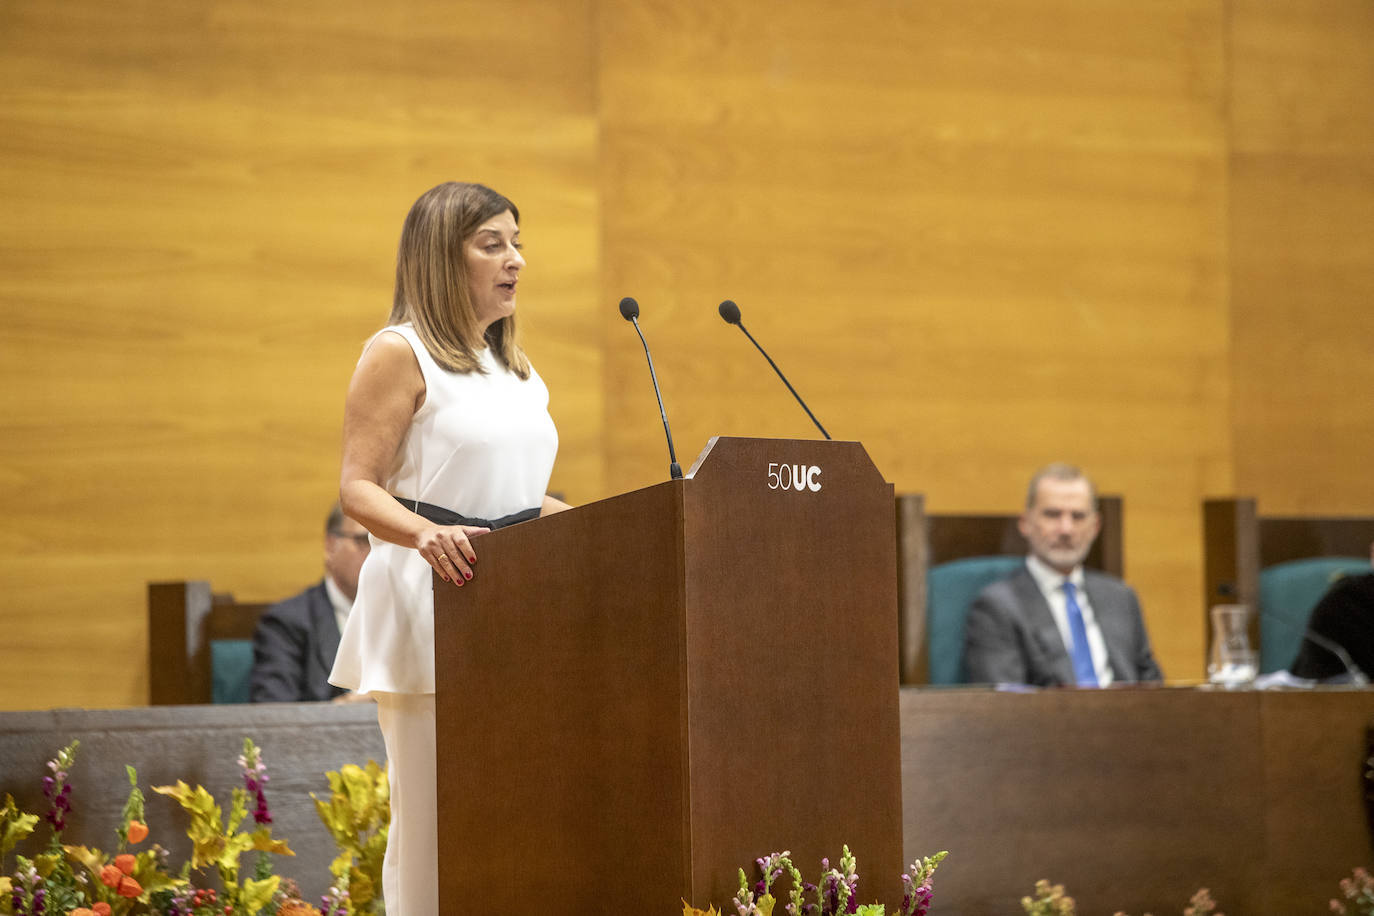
(1133, 799)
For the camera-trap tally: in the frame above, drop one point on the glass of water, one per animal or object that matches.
(1232, 662)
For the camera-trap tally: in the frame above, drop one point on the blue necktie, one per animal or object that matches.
(1082, 655)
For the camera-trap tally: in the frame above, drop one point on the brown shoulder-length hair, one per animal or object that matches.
(432, 281)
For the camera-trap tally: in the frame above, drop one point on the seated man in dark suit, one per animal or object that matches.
(296, 640)
(1052, 622)
(1339, 644)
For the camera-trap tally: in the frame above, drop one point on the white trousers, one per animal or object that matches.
(410, 871)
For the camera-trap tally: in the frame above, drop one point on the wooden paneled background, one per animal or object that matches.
(977, 236)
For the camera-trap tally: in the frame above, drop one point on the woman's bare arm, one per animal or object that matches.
(386, 390)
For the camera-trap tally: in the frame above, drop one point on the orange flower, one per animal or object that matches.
(81, 911)
(138, 831)
(126, 863)
(297, 908)
(101, 909)
(128, 887)
(110, 876)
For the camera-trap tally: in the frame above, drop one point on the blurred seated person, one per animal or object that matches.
(296, 640)
(1342, 620)
(1051, 622)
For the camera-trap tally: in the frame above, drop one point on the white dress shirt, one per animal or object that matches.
(1051, 585)
(338, 600)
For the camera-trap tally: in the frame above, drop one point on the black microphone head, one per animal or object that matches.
(729, 311)
(629, 309)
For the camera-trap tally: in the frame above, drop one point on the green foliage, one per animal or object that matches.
(207, 836)
(255, 895)
(1049, 900)
(758, 900)
(358, 816)
(133, 808)
(216, 840)
(15, 825)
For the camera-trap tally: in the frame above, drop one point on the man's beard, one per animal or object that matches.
(1066, 556)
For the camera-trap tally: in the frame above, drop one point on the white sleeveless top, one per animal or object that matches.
(481, 445)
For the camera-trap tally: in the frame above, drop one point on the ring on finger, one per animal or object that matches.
(443, 557)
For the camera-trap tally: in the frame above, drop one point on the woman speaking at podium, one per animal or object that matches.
(446, 435)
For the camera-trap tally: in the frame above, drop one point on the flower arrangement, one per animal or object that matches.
(217, 841)
(357, 814)
(78, 879)
(1358, 891)
(836, 893)
(1050, 900)
(71, 880)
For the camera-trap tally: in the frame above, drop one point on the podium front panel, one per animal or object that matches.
(792, 663)
(559, 684)
(638, 697)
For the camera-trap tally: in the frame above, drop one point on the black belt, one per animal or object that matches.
(441, 516)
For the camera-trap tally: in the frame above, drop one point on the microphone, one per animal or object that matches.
(629, 310)
(730, 312)
(1354, 674)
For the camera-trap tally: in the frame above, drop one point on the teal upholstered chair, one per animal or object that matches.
(1280, 564)
(950, 589)
(1287, 594)
(231, 670)
(200, 645)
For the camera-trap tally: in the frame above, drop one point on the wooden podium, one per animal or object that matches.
(638, 697)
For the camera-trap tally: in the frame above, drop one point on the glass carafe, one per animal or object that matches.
(1232, 662)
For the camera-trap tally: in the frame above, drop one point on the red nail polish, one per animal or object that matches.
(467, 575)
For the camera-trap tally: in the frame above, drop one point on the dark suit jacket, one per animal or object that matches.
(294, 648)
(1345, 616)
(1010, 636)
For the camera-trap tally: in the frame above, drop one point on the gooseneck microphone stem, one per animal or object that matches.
(730, 312)
(674, 469)
(629, 310)
(1352, 670)
(1355, 674)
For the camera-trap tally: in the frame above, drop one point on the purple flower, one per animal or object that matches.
(28, 885)
(918, 896)
(830, 896)
(333, 902)
(254, 779)
(924, 898)
(56, 789)
(58, 794)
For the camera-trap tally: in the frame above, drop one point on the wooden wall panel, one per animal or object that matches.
(978, 238)
(201, 212)
(1302, 242)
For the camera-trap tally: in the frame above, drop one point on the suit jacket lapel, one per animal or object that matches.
(326, 626)
(1043, 629)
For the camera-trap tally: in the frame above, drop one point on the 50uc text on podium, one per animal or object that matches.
(798, 477)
